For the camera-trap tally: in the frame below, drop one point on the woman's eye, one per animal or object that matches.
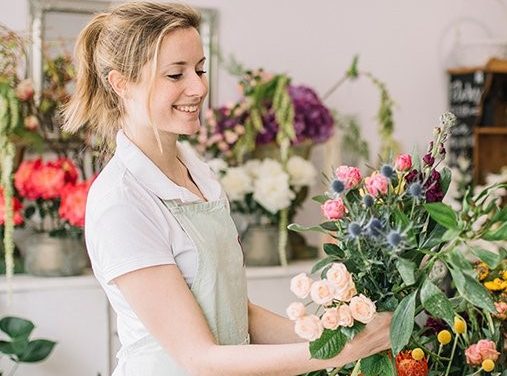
(174, 76)
(201, 72)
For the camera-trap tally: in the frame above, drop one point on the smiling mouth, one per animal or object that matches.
(187, 109)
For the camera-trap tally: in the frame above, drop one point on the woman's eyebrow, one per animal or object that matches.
(185, 63)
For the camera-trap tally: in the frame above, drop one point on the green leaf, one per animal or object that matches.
(330, 226)
(445, 179)
(442, 214)
(37, 350)
(498, 234)
(500, 216)
(333, 250)
(435, 237)
(492, 259)
(436, 303)
(322, 263)
(328, 345)
(15, 347)
(402, 323)
(377, 365)
(320, 198)
(353, 330)
(450, 235)
(472, 290)
(16, 327)
(456, 259)
(406, 269)
(298, 228)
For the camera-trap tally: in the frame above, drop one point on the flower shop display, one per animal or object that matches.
(54, 202)
(18, 347)
(259, 191)
(397, 247)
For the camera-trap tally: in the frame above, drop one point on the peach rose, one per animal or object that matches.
(295, 311)
(322, 292)
(346, 293)
(349, 176)
(334, 209)
(501, 308)
(362, 308)
(330, 319)
(338, 274)
(487, 349)
(473, 355)
(309, 327)
(376, 184)
(300, 285)
(345, 316)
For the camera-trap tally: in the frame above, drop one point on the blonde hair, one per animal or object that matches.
(124, 39)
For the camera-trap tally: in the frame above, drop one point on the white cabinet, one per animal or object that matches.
(74, 311)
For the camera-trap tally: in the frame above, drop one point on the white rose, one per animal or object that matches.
(301, 171)
(309, 327)
(322, 292)
(217, 165)
(269, 167)
(273, 193)
(330, 319)
(362, 308)
(236, 183)
(345, 316)
(295, 311)
(300, 285)
(252, 167)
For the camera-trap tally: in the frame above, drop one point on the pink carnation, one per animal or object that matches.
(334, 209)
(403, 162)
(349, 176)
(376, 184)
(487, 348)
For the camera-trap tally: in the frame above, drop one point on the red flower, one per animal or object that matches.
(69, 169)
(73, 203)
(408, 366)
(48, 181)
(23, 178)
(16, 207)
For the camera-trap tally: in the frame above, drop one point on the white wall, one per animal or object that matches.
(403, 42)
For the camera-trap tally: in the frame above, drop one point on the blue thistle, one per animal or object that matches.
(387, 171)
(354, 229)
(374, 227)
(415, 190)
(338, 186)
(368, 201)
(393, 238)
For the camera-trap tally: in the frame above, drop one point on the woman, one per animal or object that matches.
(158, 229)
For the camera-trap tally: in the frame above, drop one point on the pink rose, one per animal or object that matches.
(473, 355)
(362, 308)
(24, 90)
(31, 122)
(501, 308)
(322, 292)
(334, 209)
(346, 293)
(345, 316)
(349, 176)
(330, 319)
(342, 279)
(376, 184)
(309, 327)
(295, 311)
(487, 349)
(403, 162)
(300, 285)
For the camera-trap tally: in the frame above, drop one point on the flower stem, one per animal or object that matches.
(356, 369)
(452, 354)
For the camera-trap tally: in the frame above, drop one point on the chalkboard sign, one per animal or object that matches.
(465, 92)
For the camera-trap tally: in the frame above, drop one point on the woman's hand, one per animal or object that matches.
(372, 339)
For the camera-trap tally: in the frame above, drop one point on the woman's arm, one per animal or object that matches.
(164, 303)
(266, 327)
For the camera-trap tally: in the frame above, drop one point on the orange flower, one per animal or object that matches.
(406, 365)
(73, 203)
(16, 207)
(23, 178)
(48, 181)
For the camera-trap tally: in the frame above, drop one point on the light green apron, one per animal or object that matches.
(219, 287)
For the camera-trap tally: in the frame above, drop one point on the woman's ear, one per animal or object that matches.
(118, 82)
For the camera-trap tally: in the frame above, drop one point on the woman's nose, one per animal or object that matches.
(197, 86)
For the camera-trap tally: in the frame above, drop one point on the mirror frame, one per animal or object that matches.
(39, 9)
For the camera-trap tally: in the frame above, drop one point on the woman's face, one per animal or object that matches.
(179, 86)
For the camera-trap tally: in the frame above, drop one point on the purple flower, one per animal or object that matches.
(429, 159)
(433, 188)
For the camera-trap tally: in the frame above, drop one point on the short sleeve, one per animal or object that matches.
(124, 239)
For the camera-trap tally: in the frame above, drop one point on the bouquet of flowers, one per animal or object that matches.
(397, 247)
(55, 200)
(271, 110)
(261, 189)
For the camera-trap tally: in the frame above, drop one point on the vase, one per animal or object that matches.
(260, 245)
(47, 256)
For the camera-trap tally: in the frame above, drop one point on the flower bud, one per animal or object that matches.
(460, 326)
(444, 337)
(417, 354)
(488, 365)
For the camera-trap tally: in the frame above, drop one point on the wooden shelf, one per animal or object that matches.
(490, 151)
(492, 66)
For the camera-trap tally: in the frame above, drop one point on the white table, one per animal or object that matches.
(75, 312)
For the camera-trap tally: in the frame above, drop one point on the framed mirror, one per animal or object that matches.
(55, 25)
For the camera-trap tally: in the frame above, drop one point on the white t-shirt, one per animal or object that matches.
(128, 227)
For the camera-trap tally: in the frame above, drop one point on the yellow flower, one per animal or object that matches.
(444, 337)
(496, 285)
(504, 275)
(482, 271)
(460, 325)
(488, 365)
(417, 354)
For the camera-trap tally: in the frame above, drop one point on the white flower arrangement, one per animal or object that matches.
(263, 188)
